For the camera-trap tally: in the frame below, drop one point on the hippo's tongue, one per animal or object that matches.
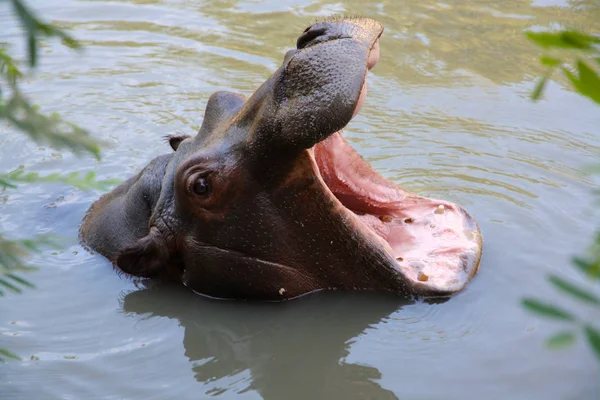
(437, 244)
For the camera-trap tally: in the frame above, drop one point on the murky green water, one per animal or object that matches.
(447, 116)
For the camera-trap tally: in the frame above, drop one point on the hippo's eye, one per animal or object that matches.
(201, 186)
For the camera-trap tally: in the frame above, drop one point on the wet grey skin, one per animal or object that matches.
(266, 202)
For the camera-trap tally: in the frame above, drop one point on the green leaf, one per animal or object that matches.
(6, 184)
(31, 245)
(48, 129)
(573, 290)
(52, 31)
(592, 270)
(582, 264)
(10, 286)
(563, 40)
(73, 175)
(550, 61)
(26, 18)
(20, 280)
(32, 46)
(7, 354)
(539, 88)
(34, 27)
(25, 268)
(590, 82)
(574, 80)
(29, 24)
(76, 179)
(561, 340)
(593, 337)
(9, 68)
(546, 310)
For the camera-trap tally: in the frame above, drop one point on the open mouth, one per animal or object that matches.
(436, 244)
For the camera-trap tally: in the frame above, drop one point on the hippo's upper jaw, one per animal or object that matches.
(268, 201)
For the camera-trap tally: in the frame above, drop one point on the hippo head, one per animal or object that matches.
(268, 201)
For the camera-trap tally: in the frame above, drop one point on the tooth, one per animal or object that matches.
(409, 220)
(281, 291)
(423, 277)
(385, 218)
(440, 209)
(399, 259)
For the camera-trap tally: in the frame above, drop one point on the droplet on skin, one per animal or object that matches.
(423, 277)
(440, 209)
(385, 218)
(281, 291)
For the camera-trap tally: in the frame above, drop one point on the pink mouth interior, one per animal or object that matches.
(436, 244)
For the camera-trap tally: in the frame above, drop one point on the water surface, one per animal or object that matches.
(447, 116)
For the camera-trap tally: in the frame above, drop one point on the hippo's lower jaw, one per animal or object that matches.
(436, 244)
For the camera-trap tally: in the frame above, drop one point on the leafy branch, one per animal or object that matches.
(582, 73)
(11, 254)
(46, 129)
(42, 129)
(544, 309)
(35, 29)
(8, 355)
(9, 69)
(19, 112)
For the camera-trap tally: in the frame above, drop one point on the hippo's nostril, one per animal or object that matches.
(308, 36)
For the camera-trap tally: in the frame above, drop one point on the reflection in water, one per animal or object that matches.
(293, 349)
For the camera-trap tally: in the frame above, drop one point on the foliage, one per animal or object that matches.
(11, 254)
(81, 181)
(577, 56)
(43, 129)
(18, 111)
(7, 354)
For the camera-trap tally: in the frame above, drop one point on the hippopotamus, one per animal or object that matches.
(268, 201)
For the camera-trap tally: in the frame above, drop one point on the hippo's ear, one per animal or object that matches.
(317, 89)
(221, 108)
(175, 140)
(145, 258)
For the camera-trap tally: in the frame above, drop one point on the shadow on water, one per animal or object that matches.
(291, 349)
